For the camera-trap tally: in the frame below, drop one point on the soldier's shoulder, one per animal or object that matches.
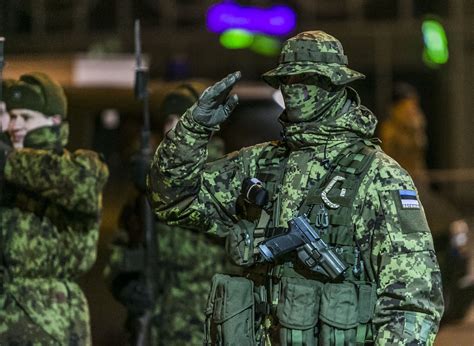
(386, 174)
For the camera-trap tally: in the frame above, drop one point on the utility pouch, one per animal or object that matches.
(339, 314)
(298, 310)
(240, 243)
(230, 312)
(367, 300)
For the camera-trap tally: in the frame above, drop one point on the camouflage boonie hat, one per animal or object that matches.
(313, 52)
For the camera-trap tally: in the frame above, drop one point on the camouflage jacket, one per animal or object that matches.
(185, 263)
(396, 243)
(49, 222)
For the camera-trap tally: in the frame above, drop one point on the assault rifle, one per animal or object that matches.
(141, 164)
(312, 250)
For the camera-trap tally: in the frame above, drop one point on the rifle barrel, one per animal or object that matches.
(138, 48)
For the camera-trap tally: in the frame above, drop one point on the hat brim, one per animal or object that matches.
(338, 74)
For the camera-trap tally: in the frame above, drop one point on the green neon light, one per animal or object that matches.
(236, 39)
(265, 45)
(436, 43)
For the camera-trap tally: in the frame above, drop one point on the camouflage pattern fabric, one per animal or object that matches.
(396, 243)
(41, 138)
(313, 52)
(187, 260)
(303, 102)
(49, 222)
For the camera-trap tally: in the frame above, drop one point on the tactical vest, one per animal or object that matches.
(309, 307)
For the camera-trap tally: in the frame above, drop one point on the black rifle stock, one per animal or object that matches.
(312, 250)
(142, 336)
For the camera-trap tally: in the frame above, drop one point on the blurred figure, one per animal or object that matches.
(50, 208)
(404, 132)
(186, 260)
(404, 138)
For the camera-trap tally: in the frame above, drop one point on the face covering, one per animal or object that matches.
(309, 101)
(48, 137)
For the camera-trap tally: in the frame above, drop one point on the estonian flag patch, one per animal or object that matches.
(409, 199)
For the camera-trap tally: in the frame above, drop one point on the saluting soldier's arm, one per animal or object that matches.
(183, 189)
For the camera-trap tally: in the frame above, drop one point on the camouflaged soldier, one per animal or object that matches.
(362, 203)
(50, 208)
(186, 260)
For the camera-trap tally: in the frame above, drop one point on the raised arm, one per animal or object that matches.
(183, 190)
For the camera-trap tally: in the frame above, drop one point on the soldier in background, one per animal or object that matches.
(186, 259)
(50, 211)
(404, 138)
(404, 132)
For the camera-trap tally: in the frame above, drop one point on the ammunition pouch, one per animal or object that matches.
(298, 310)
(346, 312)
(230, 312)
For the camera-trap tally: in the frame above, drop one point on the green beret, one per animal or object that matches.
(38, 92)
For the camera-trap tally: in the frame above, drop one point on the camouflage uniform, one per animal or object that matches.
(186, 261)
(50, 208)
(391, 293)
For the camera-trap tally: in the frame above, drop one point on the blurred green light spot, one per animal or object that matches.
(265, 45)
(436, 44)
(236, 39)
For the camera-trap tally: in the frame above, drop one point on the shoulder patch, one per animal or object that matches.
(409, 199)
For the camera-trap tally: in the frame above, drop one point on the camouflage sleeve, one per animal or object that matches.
(401, 255)
(187, 192)
(72, 180)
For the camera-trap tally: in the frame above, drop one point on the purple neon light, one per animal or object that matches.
(275, 20)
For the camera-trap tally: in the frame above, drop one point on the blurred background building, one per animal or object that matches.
(88, 46)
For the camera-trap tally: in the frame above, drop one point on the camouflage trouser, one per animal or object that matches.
(188, 262)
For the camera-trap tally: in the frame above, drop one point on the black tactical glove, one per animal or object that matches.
(215, 105)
